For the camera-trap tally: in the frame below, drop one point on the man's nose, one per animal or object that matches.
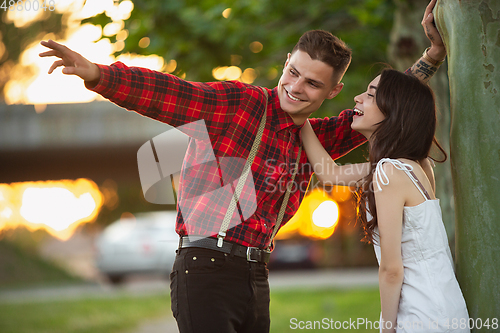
(298, 86)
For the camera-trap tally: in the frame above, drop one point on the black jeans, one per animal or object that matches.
(220, 293)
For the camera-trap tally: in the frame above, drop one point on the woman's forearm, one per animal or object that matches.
(323, 165)
(390, 282)
(327, 171)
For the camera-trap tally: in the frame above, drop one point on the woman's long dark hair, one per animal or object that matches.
(406, 132)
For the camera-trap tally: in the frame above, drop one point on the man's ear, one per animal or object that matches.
(289, 55)
(335, 91)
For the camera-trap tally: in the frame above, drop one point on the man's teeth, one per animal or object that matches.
(293, 98)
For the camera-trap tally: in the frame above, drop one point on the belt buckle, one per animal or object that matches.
(249, 253)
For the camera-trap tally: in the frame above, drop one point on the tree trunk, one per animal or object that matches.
(408, 41)
(471, 31)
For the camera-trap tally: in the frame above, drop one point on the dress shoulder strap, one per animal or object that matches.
(380, 177)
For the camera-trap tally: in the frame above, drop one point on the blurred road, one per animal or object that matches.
(139, 286)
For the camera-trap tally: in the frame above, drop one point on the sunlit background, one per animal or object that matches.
(79, 152)
(72, 211)
(42, 88)
(60, 206)
(24, 204)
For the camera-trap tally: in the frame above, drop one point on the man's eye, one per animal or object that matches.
(371, 95)
(293, 72)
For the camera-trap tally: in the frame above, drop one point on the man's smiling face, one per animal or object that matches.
(304, 85)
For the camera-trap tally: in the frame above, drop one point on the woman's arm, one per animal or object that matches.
(327, 171)
(390, 203)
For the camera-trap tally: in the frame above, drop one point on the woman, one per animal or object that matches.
(397, 206)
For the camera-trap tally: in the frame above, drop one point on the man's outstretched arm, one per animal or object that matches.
(428, 64)
(156, 95)
(73, 63)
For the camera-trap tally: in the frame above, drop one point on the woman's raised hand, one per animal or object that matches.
(437, 50)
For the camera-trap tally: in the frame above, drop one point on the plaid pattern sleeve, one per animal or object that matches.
(212, 166)
(168, 99)
(336, 134)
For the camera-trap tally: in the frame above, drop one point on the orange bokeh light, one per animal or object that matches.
(317, 216)
(59, 207)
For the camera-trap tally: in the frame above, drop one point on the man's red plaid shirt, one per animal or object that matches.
(232, 112)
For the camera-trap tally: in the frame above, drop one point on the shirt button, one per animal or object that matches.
(213, 259)
(194, 258)
(186, 271)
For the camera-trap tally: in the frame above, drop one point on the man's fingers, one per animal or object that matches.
(73, 63)
(69, 70)
(57, 49)
(53, 45)
(51, 53)
(56, 64)
(45, 43)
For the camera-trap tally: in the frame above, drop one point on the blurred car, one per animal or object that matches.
(145, 243)
(298, 253)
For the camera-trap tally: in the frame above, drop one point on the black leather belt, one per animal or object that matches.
(252, 254)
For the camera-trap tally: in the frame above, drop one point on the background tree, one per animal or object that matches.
(471, 31)
(201, 35)
(407, 42)
(15, 38)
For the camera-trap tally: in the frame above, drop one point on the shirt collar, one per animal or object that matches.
(282, 121)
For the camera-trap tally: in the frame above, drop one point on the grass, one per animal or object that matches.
(124, 313)
(291, 310)
(22, 268)
(82, 316)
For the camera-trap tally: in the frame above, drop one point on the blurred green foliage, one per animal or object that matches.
(200, 38)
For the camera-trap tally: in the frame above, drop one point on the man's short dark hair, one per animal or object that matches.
(324, 46)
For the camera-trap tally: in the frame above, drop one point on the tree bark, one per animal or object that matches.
(471, 31)
(408, 41)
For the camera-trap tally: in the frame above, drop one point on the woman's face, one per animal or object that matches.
(367, 114)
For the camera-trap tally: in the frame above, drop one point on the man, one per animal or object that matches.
(219, 282)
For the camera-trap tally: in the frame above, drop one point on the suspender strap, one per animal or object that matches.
(285, 199)
(244, 175)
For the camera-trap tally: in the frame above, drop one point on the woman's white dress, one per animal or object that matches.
(431, 299)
